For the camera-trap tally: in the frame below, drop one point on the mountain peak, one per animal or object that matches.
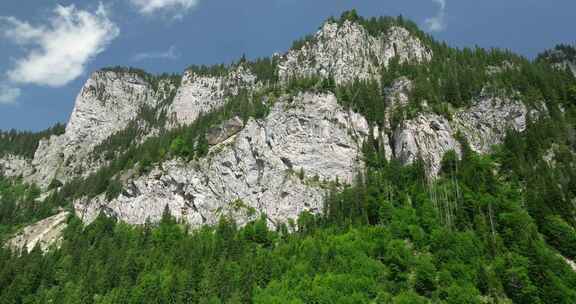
(352, 48)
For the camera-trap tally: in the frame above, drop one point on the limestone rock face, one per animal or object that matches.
(106, 104)
(226, 130)
(199, 94)
(15, 166)
(43, 233)
(348, 52)
(255, 171)
(484, 124)
(427, 137)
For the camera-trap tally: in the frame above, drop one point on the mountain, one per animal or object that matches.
(454, 168)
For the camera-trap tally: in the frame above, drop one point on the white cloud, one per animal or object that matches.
(438, 22)
(170, 54)
(177, 7)
(58, 51)
(8, 95)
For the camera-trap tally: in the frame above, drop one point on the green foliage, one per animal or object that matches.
(19, 205)
(365, 97)
(300, 43)
(265, 69)
(113, 189)
(153, 80)
(217, 70)
(389, 238)
(24, 143)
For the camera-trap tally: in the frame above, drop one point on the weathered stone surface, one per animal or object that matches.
(106, 104)
(15, 166)
(199, 94)
(427, 137)
(226, 130)
(259, 166)
(484, 125)
(348, 52)
(486, 122)
(43, 233)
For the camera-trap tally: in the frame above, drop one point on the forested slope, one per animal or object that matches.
(496, 227)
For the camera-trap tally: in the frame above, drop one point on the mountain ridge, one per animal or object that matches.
(123, 104)
(365, 170)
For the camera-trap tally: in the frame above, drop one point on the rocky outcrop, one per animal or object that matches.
(226, 130)
(44, 233)
(108, 101)
(483, 125)
(199, 94)
(15, 166)
(256, 171)
(427, 137)
(486, 122)
(348, 52)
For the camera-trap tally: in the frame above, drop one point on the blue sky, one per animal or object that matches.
(168, 35)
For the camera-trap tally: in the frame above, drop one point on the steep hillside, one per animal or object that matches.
(369, 162)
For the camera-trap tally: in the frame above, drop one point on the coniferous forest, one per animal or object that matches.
(495, 228)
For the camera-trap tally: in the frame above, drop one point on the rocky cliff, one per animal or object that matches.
(279, 165)
(44, 233)
(276, 166)
(199, 94)
(429, 136)
(107, 102)
(348, 52)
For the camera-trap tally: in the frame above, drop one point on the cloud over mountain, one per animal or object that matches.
(57, 52)
(176, 7)
(438, 22)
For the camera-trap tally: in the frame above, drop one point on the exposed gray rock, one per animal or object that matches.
(199, 94)
(44, 233)
(550, 155)
(483, 125)
(398, 94)
(427, 137)
(348, 52)
(226, 130)
(486, 122)
(15, 166)
(106, 104)
(259, 167)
